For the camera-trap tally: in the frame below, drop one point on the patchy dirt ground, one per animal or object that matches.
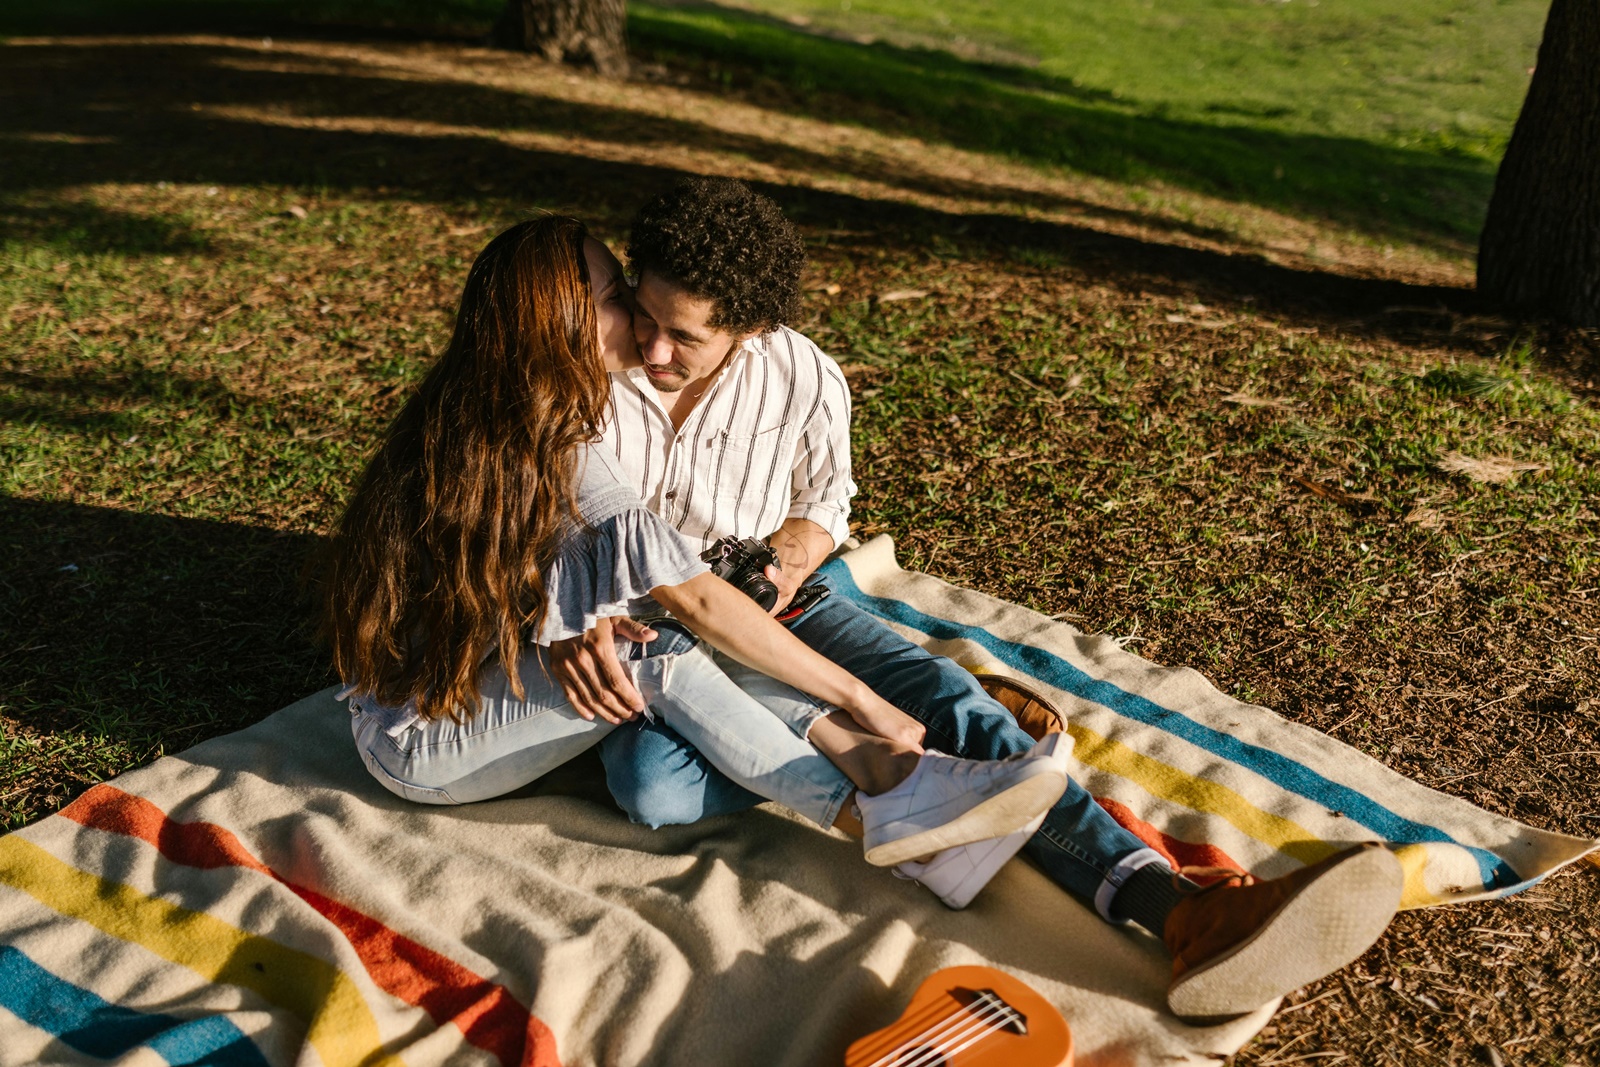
(1210, 429)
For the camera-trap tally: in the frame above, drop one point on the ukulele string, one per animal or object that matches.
(977, 1028)
(936, 1040)
(951, 1050)
(973, 1034)
(919, 1041)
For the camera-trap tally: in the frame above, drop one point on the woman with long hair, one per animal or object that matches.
(486, 527)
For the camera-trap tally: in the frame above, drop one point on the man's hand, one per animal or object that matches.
(788, 584)
(592, 677)
(800, 546)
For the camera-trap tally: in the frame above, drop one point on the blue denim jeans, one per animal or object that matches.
(513, 740)
(658, 777)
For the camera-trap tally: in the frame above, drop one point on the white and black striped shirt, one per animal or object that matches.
(770, 440)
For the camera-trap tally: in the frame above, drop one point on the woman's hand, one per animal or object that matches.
(591, 676)
(880, 717)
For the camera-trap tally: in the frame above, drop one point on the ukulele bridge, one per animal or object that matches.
(987, 1004)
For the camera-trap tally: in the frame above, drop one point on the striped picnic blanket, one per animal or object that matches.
(1200, 776)
(260, 900)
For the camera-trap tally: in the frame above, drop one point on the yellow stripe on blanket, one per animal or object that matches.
(1169, 783)
(1166, 782)
(341, 1026)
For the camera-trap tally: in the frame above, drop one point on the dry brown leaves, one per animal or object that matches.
(1491, 470)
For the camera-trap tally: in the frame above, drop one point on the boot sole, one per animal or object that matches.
(1325, 926)
(1037, 788)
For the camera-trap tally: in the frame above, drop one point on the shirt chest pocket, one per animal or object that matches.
(738, 466)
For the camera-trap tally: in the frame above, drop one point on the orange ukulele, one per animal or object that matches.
(969, 1017)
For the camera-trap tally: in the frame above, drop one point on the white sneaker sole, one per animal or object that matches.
(1326, 926)
(1030, 790)
(958, 875)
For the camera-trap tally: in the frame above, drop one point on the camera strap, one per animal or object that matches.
(808, 596)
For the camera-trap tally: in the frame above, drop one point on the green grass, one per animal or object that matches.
(1388, 125)
(980, 410)
(1386, 120)
(1444, 75)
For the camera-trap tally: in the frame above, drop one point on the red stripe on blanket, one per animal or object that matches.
(486, 1014)
(1177, 853)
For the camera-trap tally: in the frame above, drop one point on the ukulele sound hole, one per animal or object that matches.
(921, 1056)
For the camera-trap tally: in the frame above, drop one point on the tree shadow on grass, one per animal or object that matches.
(1431, 199)
(90, 402)
(147, 631)
(90, 113)
(389, 20)
(1425, 198)
(308, 90)
(89, 229)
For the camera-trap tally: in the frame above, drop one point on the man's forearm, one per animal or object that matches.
(801, 546)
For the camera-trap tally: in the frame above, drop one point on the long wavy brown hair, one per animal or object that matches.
(439, 554)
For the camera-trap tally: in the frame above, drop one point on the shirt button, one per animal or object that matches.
(672, 494)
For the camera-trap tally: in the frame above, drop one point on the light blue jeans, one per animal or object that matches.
(512, 741)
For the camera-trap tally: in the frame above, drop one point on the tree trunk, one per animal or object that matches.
(586, 32)
(1540, 249)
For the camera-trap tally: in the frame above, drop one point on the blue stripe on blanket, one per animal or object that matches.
(1278, 769)
(85, 1022)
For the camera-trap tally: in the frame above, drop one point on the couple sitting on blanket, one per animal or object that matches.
(527, 507)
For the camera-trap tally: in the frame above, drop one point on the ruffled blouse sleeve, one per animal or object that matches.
(608, 569)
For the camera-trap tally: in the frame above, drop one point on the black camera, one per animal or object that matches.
(742, 562)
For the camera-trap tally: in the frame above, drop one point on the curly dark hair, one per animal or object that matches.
(726, 243)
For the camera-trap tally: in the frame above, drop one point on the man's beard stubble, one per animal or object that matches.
(670, 385)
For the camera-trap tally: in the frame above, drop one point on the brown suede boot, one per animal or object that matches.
(1240, 944)
(1033, 712)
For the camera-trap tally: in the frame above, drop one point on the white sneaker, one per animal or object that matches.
(957, 874)
(948, 802)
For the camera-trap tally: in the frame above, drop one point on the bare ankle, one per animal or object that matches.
(904, 763)
(891, 766)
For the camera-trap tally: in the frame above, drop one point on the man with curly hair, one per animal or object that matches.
(738, 425)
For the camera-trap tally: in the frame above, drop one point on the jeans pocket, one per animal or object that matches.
(367, 733)
(420, 794)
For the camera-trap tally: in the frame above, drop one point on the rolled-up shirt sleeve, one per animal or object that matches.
(820, 484)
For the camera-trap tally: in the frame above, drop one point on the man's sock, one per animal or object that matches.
(1147, 897)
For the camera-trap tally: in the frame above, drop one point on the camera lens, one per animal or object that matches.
(758, 588)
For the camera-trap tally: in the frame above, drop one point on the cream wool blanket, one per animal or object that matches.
(260, 900)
